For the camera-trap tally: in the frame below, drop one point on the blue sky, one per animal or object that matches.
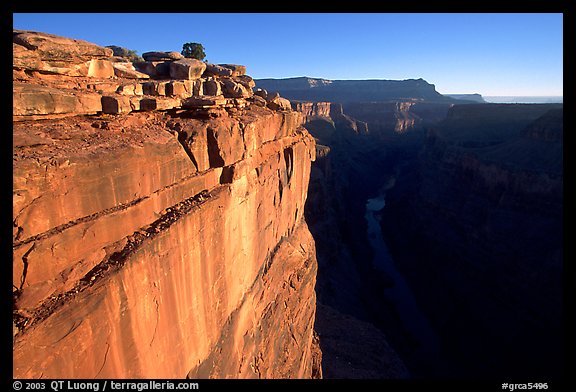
(490, 54)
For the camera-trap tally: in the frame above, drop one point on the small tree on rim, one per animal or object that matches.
(193, 50)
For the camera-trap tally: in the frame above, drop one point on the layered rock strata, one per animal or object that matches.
(61, 76)
(388, 109)
(160, 242)
(344, 91)
(331, 112)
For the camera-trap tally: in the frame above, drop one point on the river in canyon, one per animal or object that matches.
(425, 356)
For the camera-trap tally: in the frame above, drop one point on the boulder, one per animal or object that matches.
(258, 101)
(187, 69)
(155, 69)
(149, 104)
(130, 89)
(272, 96)
(246, 81)
(217, 70)
(179, 88)
(116, 104)
(279, 103)
(261, 93)
(211, 87)
(127, 70)
(50, 47)
(162, 56)
(89, 103)
(100, 69)
(154, 88)
(120, 59)
(237, 70)
(198, 87)
(163, 69)
(103, 87)
(231, 89)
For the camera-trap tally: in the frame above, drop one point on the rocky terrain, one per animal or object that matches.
(158, 219)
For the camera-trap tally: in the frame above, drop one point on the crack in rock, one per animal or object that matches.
(111, 263)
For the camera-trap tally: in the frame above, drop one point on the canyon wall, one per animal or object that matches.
(348, 169)
(158, 219)
(343, 91)
(474, 224)
(390, 110)
(390, 119)
(484, 203)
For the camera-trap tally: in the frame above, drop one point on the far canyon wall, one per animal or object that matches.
(484, 203)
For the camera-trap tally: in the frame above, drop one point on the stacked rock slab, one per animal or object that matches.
(60, 76)
(158, 231)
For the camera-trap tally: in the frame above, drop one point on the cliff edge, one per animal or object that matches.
(158, 219)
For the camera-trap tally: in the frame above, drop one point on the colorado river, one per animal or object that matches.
(399, 294)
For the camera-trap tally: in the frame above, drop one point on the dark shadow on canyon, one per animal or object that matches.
(474, 295)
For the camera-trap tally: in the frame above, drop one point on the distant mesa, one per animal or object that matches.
(343, 91)
(467, 97)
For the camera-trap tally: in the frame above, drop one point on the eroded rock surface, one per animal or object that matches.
(158, 233)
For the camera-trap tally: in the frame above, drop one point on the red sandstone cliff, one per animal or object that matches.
(158, 222)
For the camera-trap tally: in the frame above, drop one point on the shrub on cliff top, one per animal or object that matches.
(193, 50)
(127, 53)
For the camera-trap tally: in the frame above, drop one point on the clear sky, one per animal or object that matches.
(490, 54)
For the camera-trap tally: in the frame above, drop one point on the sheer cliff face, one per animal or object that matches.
(350, 166)
(484, 204)
(163, 244)
(385, 108)
(391, 120)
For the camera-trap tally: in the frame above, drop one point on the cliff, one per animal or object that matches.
(387, 109)
(388, 120)
(351, 317)
(158, 219)
(484, 203)
(330, 112)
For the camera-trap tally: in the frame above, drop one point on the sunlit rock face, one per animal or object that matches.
(161, 236)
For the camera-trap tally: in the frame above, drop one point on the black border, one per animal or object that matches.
(387, 7)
